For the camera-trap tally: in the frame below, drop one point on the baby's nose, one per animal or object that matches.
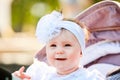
(59, 50)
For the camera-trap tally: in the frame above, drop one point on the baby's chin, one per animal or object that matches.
(66, 70)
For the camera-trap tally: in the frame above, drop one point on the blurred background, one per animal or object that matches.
(18, 19)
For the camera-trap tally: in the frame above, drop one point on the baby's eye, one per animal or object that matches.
(67, 45)
(52, 45)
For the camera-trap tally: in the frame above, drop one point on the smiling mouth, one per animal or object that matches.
(61, 59)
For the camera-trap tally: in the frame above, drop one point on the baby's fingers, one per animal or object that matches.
(21, 70)
(22, 76)
(20, 73)
(27, 77)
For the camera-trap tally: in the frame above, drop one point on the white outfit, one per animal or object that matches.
(41, 71)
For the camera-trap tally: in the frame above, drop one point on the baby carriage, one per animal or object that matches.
(103, 46)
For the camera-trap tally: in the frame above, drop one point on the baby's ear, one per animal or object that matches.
(81, 54)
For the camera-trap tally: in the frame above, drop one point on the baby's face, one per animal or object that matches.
(64, 52)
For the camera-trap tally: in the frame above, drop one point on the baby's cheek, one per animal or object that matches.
(50, 59)
(72, 56)
(75, 56)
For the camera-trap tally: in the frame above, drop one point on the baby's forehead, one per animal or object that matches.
(66, 33)
(65, 36)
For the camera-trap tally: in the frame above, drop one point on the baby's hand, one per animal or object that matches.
(20, 73)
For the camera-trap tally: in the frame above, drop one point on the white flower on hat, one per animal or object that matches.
(47, 26)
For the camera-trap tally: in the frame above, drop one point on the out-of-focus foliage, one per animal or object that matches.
(25, 13)
(21, 12)
(95, 1)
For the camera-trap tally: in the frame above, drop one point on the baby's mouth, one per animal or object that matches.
(61, 59)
